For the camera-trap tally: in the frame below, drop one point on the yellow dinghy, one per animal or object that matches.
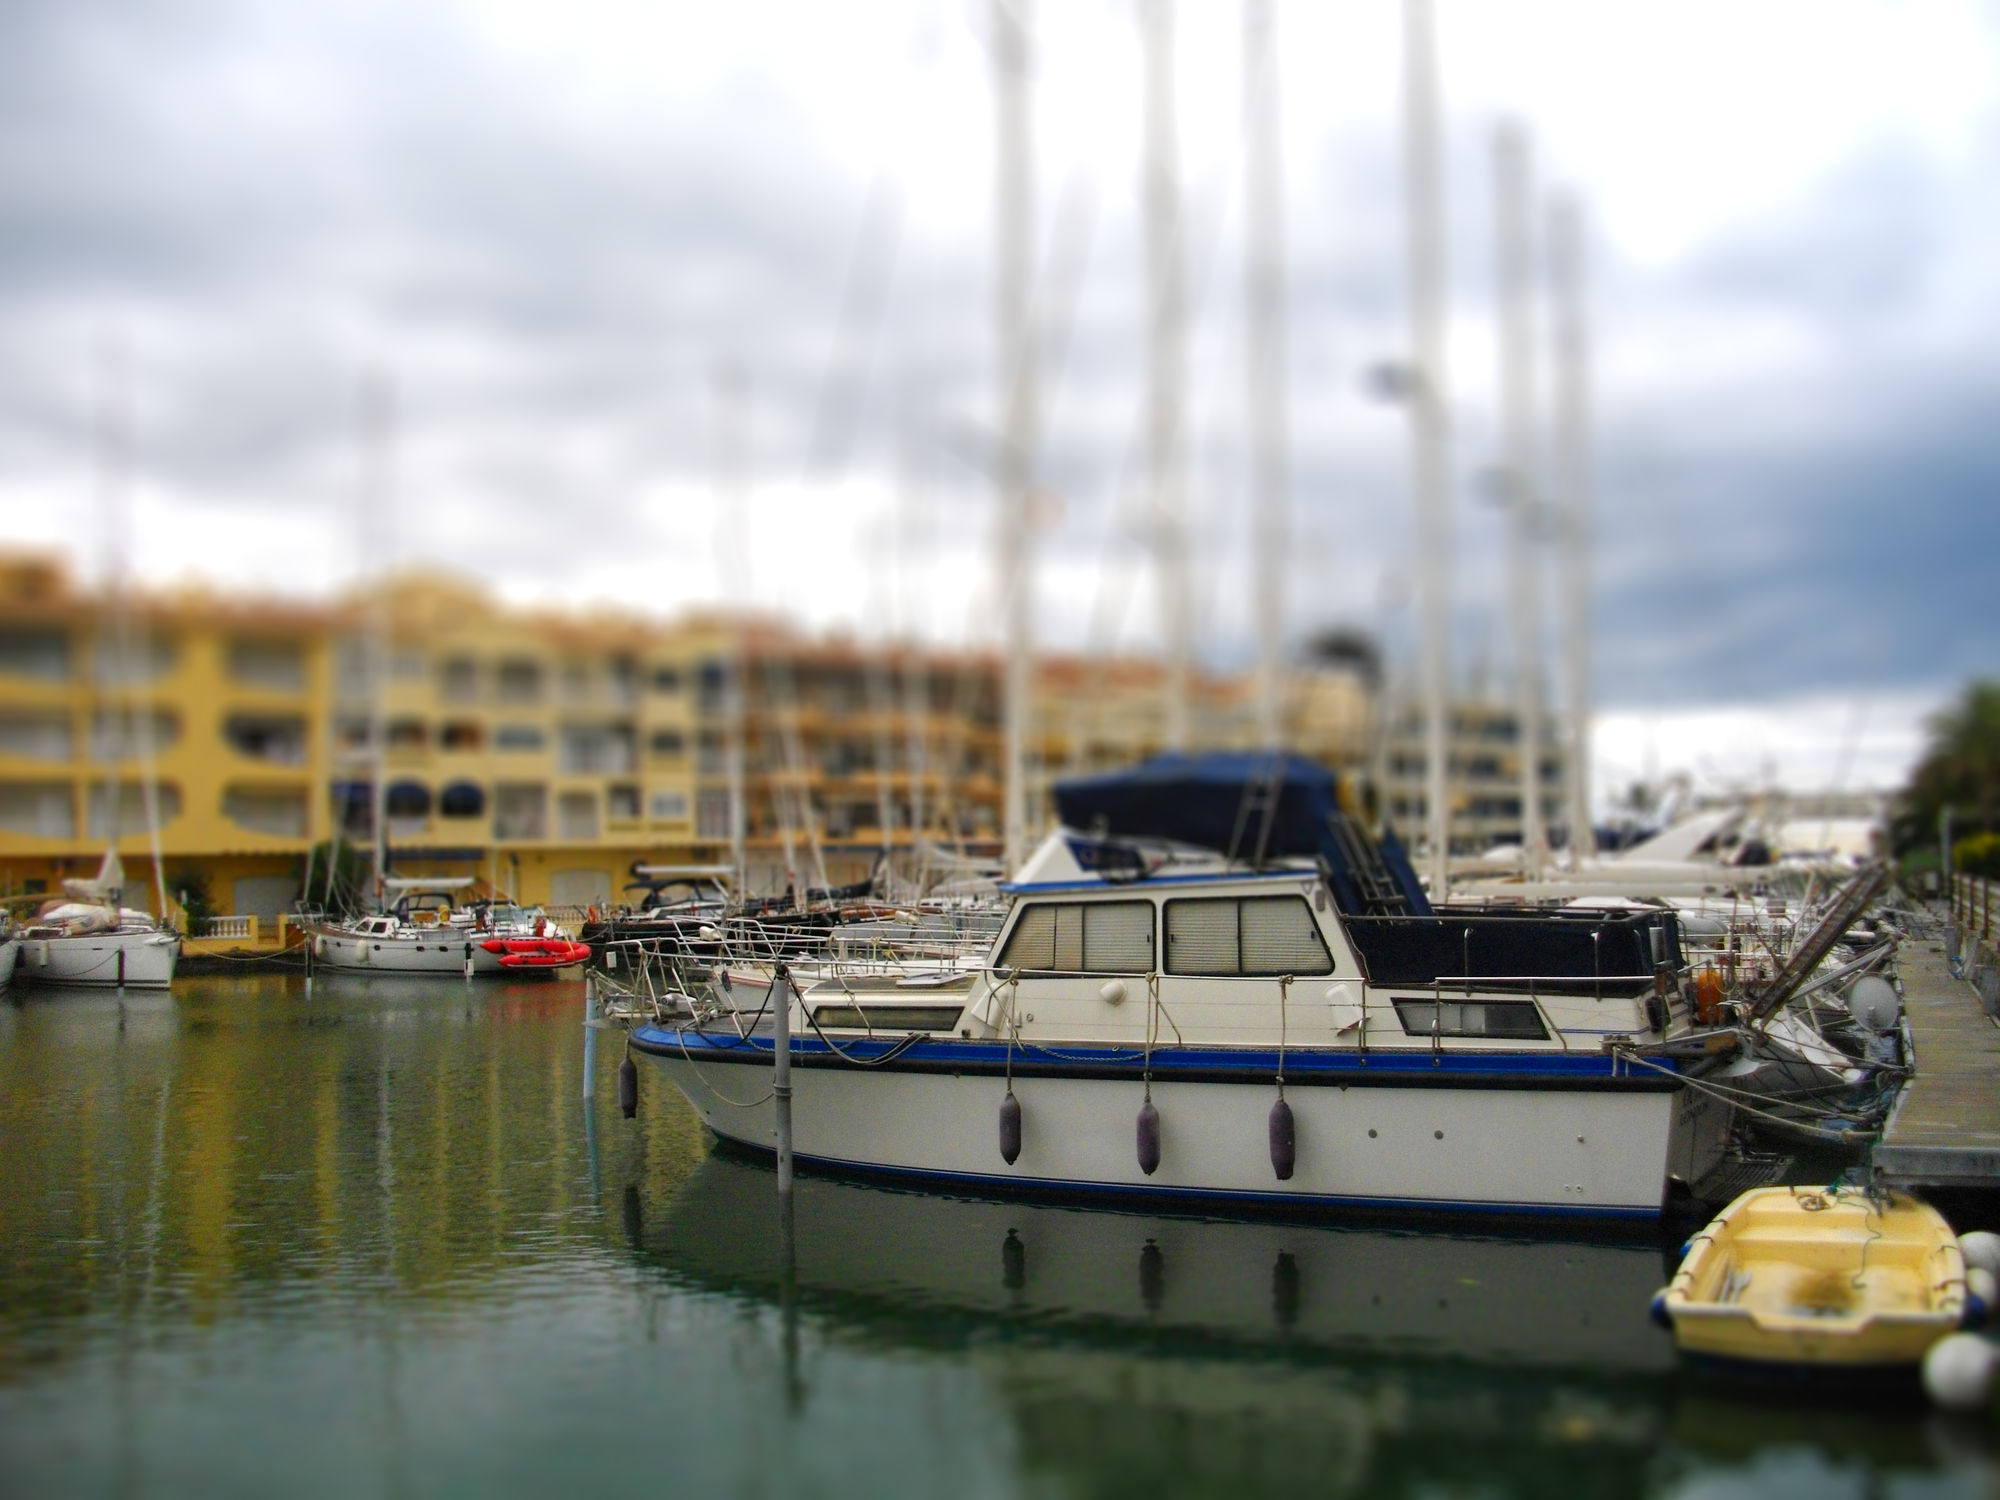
(1818, 1278)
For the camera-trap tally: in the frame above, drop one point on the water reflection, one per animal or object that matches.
(374, 1241)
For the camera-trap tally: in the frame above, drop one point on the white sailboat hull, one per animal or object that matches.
(135, 960)
(446, 954)
(1368, 1144)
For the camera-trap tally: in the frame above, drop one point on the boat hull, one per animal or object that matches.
(377, 955)
(10, 954)
(1388, 1137)
(132, 960)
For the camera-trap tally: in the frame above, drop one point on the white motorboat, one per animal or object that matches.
(1225, 993)
(426, 934)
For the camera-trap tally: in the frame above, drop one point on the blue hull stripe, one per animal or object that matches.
(1302, 1066)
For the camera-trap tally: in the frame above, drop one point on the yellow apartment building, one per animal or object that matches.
(542, 753)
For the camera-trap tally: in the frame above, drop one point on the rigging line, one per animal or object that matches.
(680, 1035)
(896, 1049)
(1732, 1097)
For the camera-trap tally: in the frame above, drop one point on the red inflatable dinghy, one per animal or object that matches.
(537, 953)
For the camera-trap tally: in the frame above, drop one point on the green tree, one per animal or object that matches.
(1960, 769)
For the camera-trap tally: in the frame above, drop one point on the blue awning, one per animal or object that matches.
(1201, 800)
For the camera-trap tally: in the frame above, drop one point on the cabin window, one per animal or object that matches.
(1250, 935)
(1505, 1020)
(1082, 937)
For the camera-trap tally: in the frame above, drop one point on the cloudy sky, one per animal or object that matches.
(594, 245)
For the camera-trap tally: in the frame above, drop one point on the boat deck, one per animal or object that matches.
(1945, 1128)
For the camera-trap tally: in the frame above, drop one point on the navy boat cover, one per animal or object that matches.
(1213, 801)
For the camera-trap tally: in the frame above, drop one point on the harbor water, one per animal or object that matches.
(372, 1239)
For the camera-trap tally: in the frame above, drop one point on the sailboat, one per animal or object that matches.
(89, 936)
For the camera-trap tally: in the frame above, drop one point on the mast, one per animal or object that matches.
(1264, 359)
(1166, 369)
(733, 566)
(1517, 425)
(1430, 433)
(377, 418)
(1015, 368)
(1572, 499)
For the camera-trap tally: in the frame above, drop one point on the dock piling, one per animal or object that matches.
(781, 1075)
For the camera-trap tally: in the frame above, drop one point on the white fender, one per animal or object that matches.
(1344, 999)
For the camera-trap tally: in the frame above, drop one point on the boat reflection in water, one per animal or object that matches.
(1511, 1302)
(1133, 1354)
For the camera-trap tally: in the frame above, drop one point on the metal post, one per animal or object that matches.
(589, 1037)
(781, 1075)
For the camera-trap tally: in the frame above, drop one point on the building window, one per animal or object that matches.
(1252, 935)
(666, 744)
(712, 820)
(36, 736)
(41, 654)
(594, 749)
(408, 734)
(277, 811)
(664, 680)
(39, 809)
(462, 736)
(1082, 937)
(576, 815)
(621, 804)
(519, 737)
(278, 739)
(519, 681)
(670, 807)
(1508, 1020)
(134, 662)
(129, 806)
(269, 666)
(520, 810)
(118, 735)
(710, 753)
(458, 680)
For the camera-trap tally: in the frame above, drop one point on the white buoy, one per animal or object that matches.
(1981, 1248)
(1112, 992)
(1958, 1370)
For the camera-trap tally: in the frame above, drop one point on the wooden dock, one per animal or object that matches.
(1944, 1130)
